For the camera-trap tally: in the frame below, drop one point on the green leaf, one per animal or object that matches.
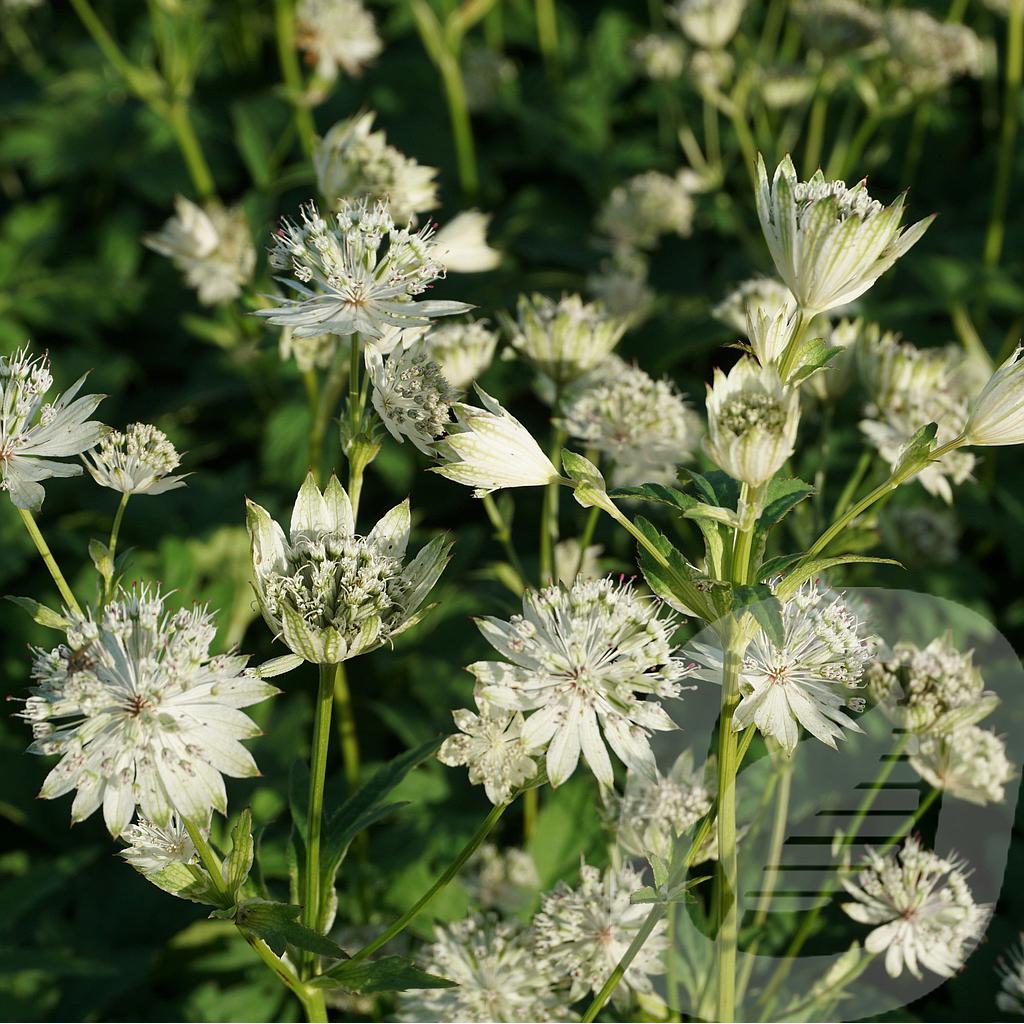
(662, 581)
(40, 613)
(388, 974)
(660, 493)
(759, 600)
(101, 559)
(813, 355)
(278, 924)
(781, 498)
(916, 451)
(718, 488)
(800, 575)
(589, 487)
(239, 861)
(253, 144)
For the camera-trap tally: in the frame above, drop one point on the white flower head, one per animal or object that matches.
(922, 909)
(660, 56)
(708, 23)
(644, 426)
(141, 714)
(336, 35)
(1010, 998)
(496, 974)
(582, 933)
(770, 336)
(317, 352)
(211, 246)
(137, 461)
(491, 745)
(504, 880)
(584, 660)
(829, 243)
(969, 763)
(752, 421)
(152, 848)
(620, 285)
(834, 27)
(647, 206)
(756, 295)
(330, 594)
(934, 689)
(783, 88)
(357, 272)
(807, 680)
(410, 394)
(463, 349)
(997, 413)
(354, 162)
(489, 449)
(563, 339)
(462, 244)
(34, 433)
(926, 54)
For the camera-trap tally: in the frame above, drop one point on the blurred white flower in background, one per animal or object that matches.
(336, 35)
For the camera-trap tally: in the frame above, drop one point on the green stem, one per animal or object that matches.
(485, 829)
(547, 35)
(188, 142)
(856, 479)
(115, 531)
(712, 137)
(919, 813)
(315, 808)
(346, 728)
(287, 55)
(316, 440)
(549, 513)
(586, 537)
(49, 561)
(1008, 133)
(531, 807)
(815, 131)
(503, 534)
(462, 125)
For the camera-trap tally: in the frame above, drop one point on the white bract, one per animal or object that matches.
(138, 461)
(211, 246)
(336, 35)
(141, 714)
(969, 763)
(354, 162)
(829, 243)
(35, 433)
(410, 394)
(584, 660)
(756, 295)
(462, 244)
(489, 449)
(752, 422)
(357, 272)
(502, 879)
(922, 909)
(152, 848)
(463, 349)
(583, 932)
(330, 594)
(708, 23)
(997, 414)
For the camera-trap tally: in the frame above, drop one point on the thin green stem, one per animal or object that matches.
(312, 386)
(531, 807)
(850, 488)
(549, 513)
(586, 537)
(485, 829)
(188, 142)
(462, 125)
(815, 131)
(919, 812)
(49, 561)
(207, 856)
(1008, 133)
(503, 534)
(287, 55)
(315, 808)
(712, 136)
(115, 532)
(547, 35)
(346, 728)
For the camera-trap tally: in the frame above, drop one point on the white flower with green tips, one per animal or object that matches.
(997, 413)
(34, 433)
(829, 243)
(141, 714)
(330, 594)
(137, 461)
(969, 763)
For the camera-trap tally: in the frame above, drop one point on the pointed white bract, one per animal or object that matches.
(336, 35)
(584, 660)
(141, 714)
(211, 246)
(463, 349)
(152, 848)
(583, 932)
(137, 461)
(708, 23)
(921, 907)
(752, 422)
(829, 243)
(410, 394)
(756, 294)
(330, 594)
(490, 743)
(1010, 998)
(462, 243)
(997, 414)
(969, 763)
(34, 433)
(355, 272)
(489, 449)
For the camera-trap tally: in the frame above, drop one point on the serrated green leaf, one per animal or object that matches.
(101, 559)
(388, 974)
(781, 498)
(800, 575)
(239, 861)
(278, 924)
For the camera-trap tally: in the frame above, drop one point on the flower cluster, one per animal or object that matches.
(708, 23)
(141, 714)
(834, 27)
(137, 461)
(152, 848)
(647, 206)
(463, 349)
(925, 54)
(504, 880)
(336, 35)
(969, 763)
(659, 56)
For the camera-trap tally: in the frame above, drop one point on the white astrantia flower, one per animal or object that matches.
(152, 848)
(925, 54)
(496, 974)
(357, 272)
(997, 413)
(329, 593)
(410, 394)
(752, 422)
(783, 88)
(921, 906)
(762, 295)
(647, 206)
(505, 880)
(708, 23)
(463, 349)
(34, 433)
(582, 933)
(490, 743)
(829, 243)
(352, 161)
(141, 714)
(563, 339)
(489, 449)
(660, 56)
(770, 336)
(1010, 998)
(620, 285)
(211, 246)
(834, 27)
(969, 763)
(462, 244)
(710, 69)
(336, 35)
(584, 660)
(807, 680)
(936, 688)
(137, 461)
(644, 426)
